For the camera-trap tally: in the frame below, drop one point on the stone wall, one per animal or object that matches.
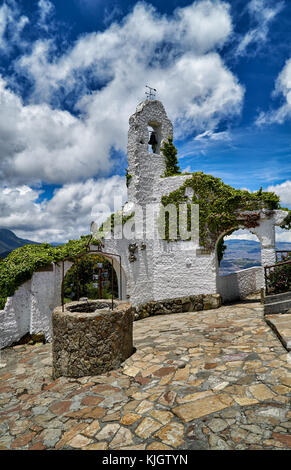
(91, 339)
(239, 284)
(192, 303)
(30, 309)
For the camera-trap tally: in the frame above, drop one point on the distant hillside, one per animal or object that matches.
(9, 242)
(242, 254)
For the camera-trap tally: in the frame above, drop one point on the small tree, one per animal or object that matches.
(170, 153)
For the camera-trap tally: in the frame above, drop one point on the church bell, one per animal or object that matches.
(153, 139)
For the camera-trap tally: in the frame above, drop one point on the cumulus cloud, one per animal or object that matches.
(282, 190)
(40, 143)
(262, 13)
(179, 55)
(283, 89)
(66, 215)
(63, 132)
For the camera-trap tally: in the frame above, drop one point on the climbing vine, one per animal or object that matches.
(221, 207)
(21, 263)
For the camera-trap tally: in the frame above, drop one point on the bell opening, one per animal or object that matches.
(154, 139)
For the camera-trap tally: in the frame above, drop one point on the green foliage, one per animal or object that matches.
(116, 218)
(220, 247)
(128, 177)
(287, 221)
(279, 278)
(170, 153)
(87, 266)
(21, 263)
(221, 207)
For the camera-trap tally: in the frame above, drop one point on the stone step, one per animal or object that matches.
(270, 299)
(277, 307)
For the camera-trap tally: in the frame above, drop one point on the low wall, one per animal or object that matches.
(192, 303)
(239, 284)
(30, 309)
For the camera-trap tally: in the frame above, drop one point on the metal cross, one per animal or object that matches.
(151, 93)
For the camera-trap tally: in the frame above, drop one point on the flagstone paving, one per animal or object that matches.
(217, 379)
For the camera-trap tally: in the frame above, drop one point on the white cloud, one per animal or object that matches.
(242, 234)
(216, 136)
(262, 13)
(282, 190)
(66, 215)
(46, 9)
(178, 55)
(40, 143)
(283, 88)
(11, 26)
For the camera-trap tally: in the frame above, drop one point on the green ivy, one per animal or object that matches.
(21, 263)
(115, 218)
(221, 207)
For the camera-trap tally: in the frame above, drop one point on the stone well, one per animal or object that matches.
(89, 338)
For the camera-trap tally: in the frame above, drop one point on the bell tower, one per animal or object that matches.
(149, 127)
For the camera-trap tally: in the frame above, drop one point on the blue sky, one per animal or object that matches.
(72, 72)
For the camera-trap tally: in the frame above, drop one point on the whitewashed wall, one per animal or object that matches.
(239, 284)
(30, 309)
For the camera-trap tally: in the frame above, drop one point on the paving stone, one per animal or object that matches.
(217, 443)
(130, 418)
(217, 425)
(147, 427)
(122, 438)
(92, 429)
(79, 441)
(202, 407)
(261, 392)
(163, 416)
(171, 434)
(50, 437)
(107, 432)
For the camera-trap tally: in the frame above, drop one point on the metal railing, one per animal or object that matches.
(278, 277)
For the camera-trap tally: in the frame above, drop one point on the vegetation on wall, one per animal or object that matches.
(128, 177)
(170, 153)
(115, 219)
(21, 263)
(279, 278)
(221, 207)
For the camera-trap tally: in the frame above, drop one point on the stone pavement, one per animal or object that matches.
(216, 379)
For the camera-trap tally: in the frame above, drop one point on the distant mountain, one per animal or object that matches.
(9, 242)
(242, 254)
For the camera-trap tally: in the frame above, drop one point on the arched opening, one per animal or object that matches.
(155, 137)
(237, 251)
(240, 272)
(91, 276)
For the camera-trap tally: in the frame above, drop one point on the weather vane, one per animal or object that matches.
(150, 93)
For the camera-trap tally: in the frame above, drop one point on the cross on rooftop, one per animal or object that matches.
(150, 93)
